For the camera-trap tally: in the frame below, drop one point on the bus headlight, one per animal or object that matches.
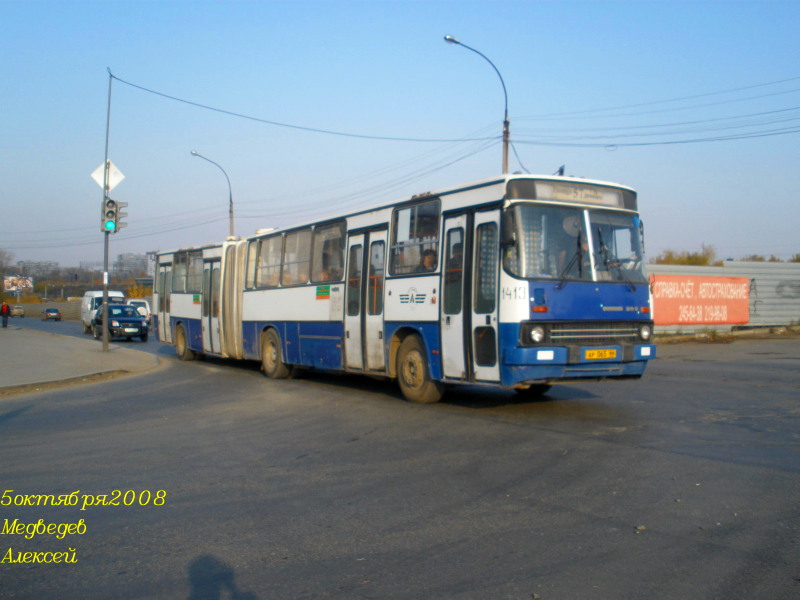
(537, 334)
(645, 332)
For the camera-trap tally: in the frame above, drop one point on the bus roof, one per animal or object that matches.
(501, 182)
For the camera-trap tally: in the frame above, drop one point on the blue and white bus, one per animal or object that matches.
(519, 282)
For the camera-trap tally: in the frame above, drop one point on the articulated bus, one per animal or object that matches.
(519, 282)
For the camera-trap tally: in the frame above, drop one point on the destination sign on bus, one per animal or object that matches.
(585, 194)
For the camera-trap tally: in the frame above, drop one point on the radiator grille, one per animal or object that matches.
(593, 333)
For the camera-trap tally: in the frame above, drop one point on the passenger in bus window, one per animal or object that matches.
(428, 261)
(455, 262)
(330, 271)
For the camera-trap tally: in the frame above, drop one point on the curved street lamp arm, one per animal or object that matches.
(230, 190)
(451, 40)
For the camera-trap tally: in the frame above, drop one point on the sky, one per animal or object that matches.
(314, 109)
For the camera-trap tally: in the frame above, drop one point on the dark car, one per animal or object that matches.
(51, 313)
(123, 321)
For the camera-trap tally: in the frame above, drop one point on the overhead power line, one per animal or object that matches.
(593, 111)
(299, 127)
(721, 138)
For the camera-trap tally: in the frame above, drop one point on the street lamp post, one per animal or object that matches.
(230, 192)
(506, 131)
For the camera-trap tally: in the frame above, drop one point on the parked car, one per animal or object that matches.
(17, 311)
(51, 313)
(123, 321)
(143, 306)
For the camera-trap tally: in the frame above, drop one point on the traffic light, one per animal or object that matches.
(112, 215)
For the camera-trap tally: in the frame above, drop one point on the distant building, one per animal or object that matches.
(36, 268)
(91, 265)
(130, 263)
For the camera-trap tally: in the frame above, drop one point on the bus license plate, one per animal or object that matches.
(600, 354)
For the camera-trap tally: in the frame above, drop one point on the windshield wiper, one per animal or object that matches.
(577, 257)
(611, 261)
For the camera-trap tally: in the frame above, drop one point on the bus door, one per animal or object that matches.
(484, 309)
(210, 305)
(164, 297)
(363, 319)
(452, 319)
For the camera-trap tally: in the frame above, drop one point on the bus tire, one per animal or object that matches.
(182, 346)
(271, 357)
(413, 374)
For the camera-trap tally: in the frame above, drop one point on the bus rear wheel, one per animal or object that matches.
(271, 357)
(413, 374)
(181, 345)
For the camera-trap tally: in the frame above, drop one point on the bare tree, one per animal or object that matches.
(5, 259)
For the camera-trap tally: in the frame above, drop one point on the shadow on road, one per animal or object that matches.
(212, 579)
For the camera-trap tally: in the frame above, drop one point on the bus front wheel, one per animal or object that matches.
(271, 357)
(181, 345)
(413, 374)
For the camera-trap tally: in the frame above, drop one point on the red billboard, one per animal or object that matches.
(697, 300)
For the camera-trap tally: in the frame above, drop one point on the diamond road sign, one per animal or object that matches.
(114, 175)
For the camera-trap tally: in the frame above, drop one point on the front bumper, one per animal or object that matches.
(127, 331)
(550, 363)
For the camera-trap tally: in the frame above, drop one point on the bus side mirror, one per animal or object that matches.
(508, 232)
(641, 234)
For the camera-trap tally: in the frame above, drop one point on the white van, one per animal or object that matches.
(92, 301)
(142, 306)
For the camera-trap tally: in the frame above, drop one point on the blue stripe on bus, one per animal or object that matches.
(307, 343)
(193, 329)
(320, 344)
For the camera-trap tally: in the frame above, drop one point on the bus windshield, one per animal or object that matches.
(554, 242)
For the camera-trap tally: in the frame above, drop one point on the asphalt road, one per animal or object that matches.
(74, 329)
(681, 485)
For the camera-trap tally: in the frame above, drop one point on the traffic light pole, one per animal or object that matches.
(105, 293)
(105, 234)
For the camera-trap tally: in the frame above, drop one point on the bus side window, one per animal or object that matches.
(296, 257)
(454, 271)
(269, 262)
(179, 269)
(375, 286)
(486, 271)
(354, 281)
(328, 253)
(194, 277)
(252, 262)
(415, 238)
